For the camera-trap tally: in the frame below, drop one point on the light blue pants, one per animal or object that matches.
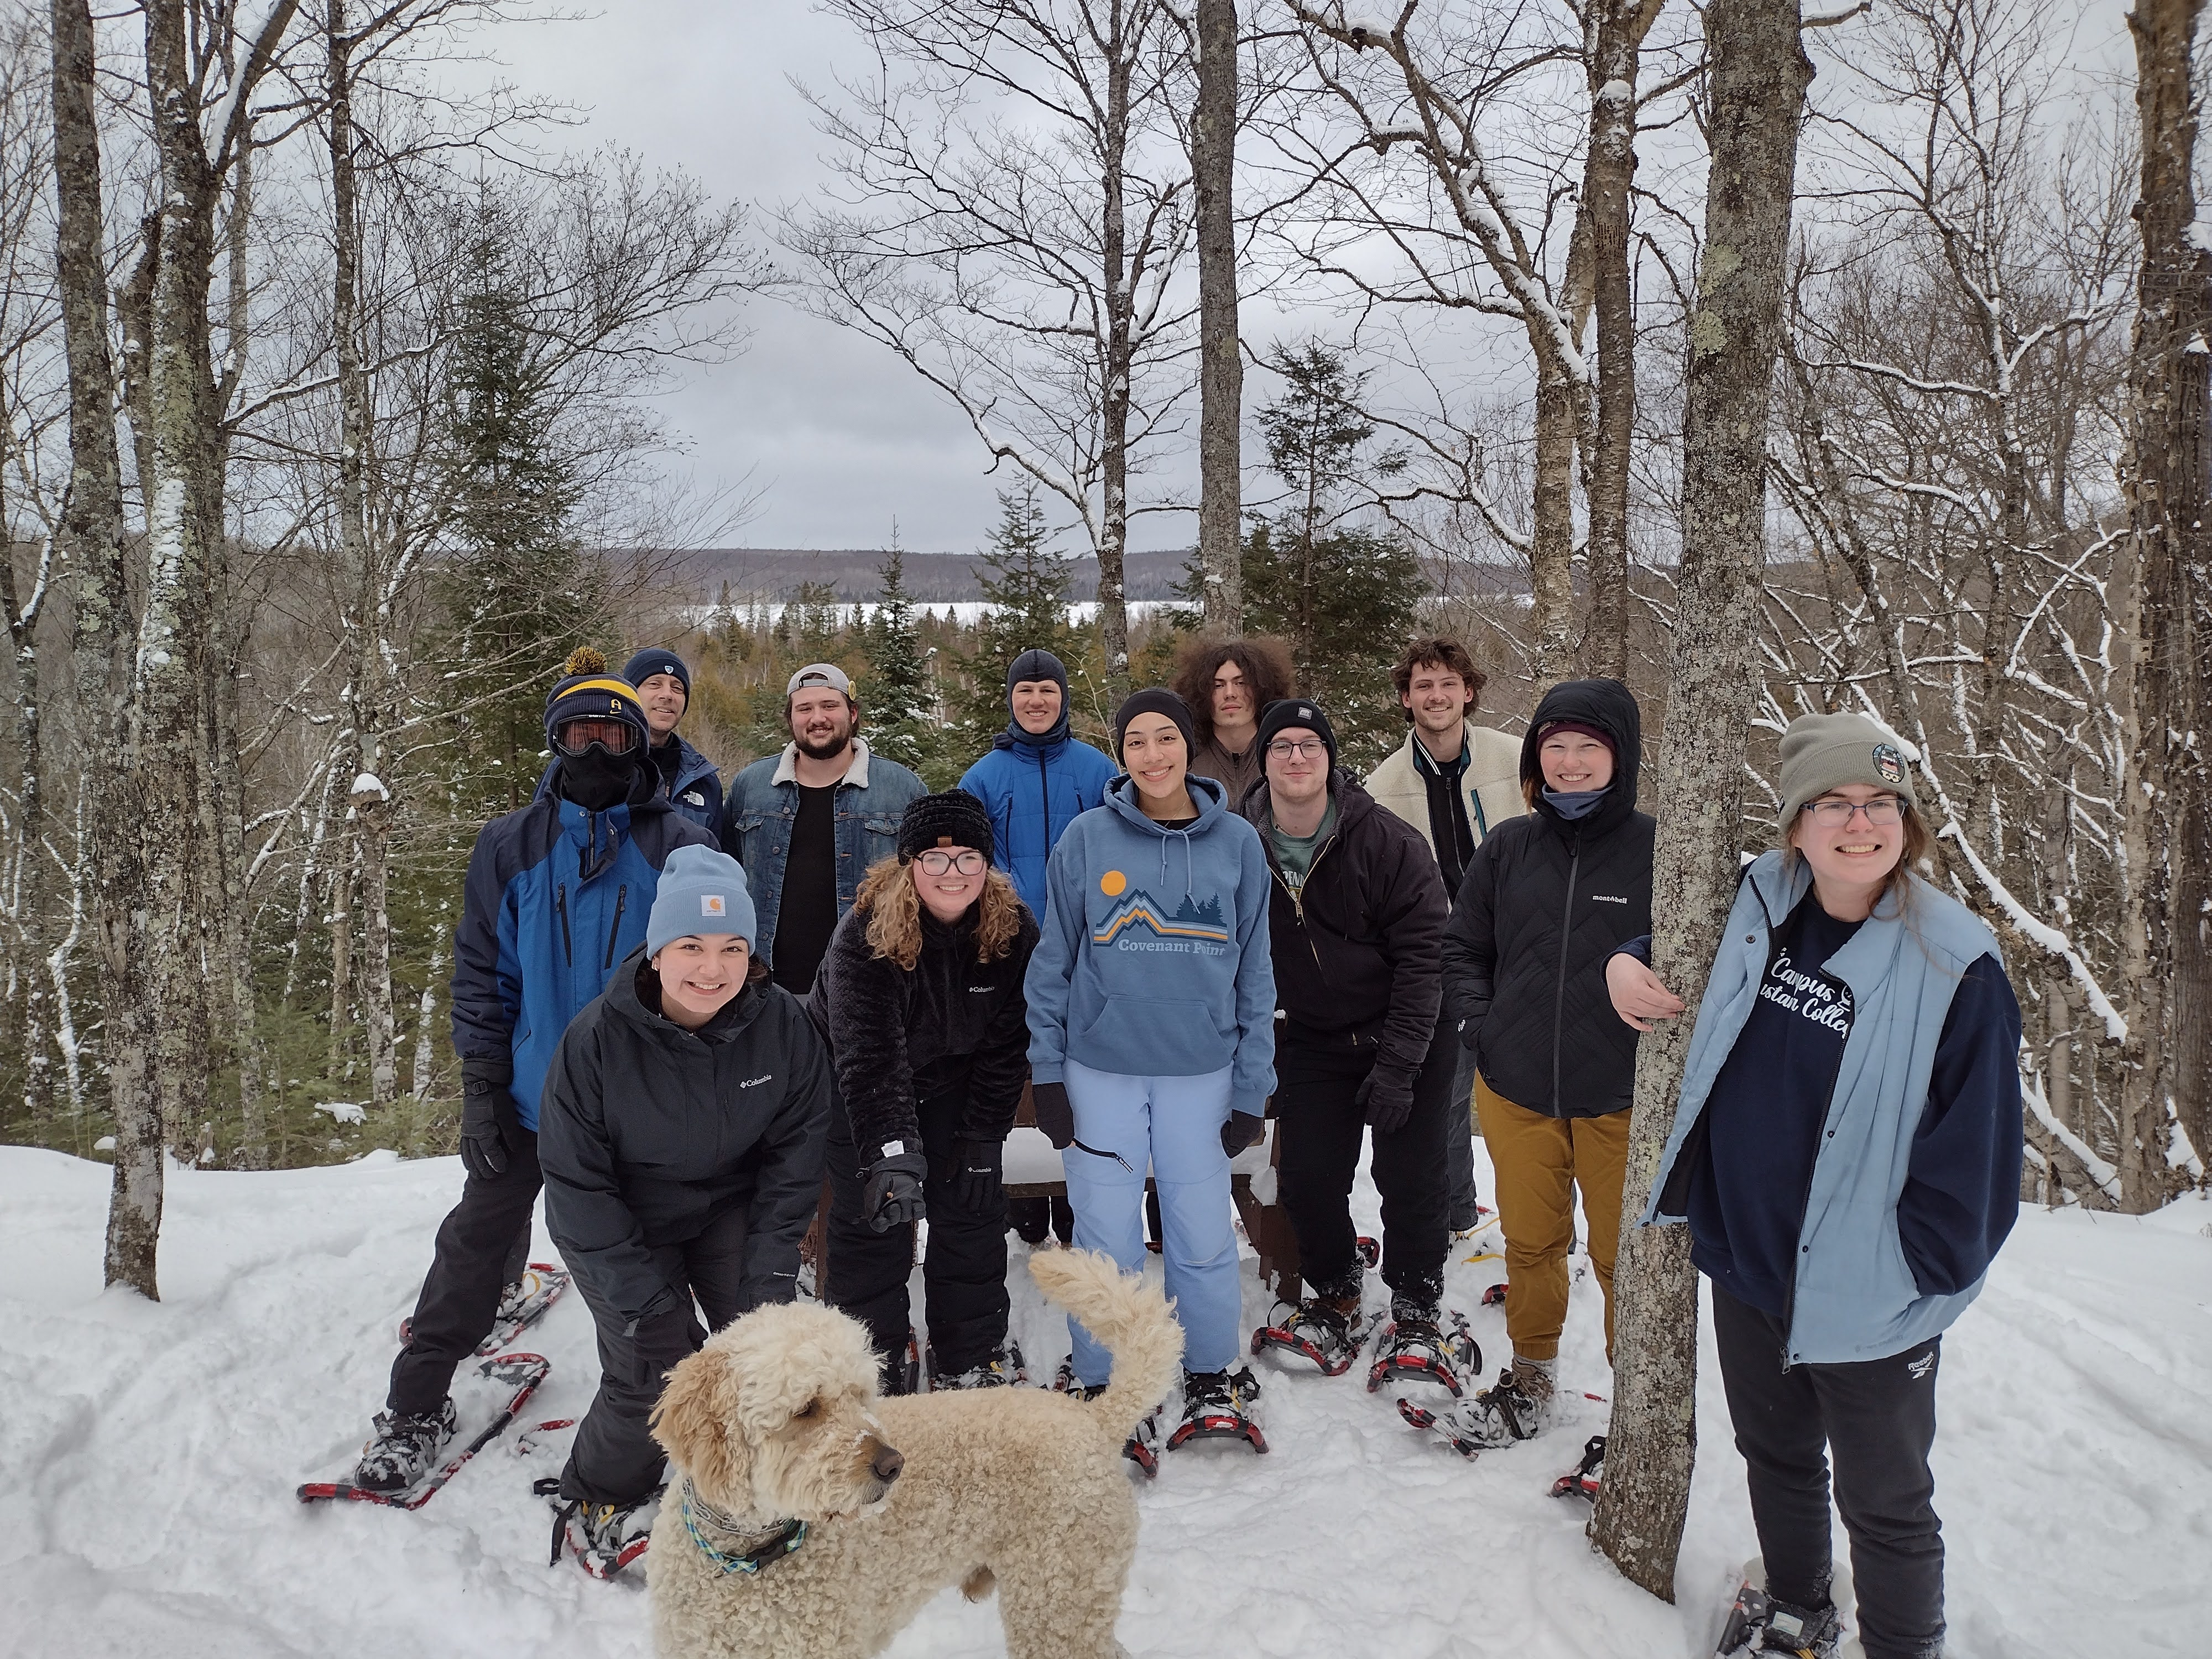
(1174, 1124)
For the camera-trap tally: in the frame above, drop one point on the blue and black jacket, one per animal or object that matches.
(695, 792)
(556, 897)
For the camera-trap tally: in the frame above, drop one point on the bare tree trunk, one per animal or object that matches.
(1758, 74)
(1114, 376)
(2169, 484)
(1551, 542)
(1221, 363)
(29, 1010)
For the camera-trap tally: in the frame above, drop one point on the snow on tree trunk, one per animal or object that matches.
(425, 1016)
(1221, 363)
(1758, 74)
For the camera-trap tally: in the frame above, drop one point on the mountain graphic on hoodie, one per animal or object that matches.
(1189, 919)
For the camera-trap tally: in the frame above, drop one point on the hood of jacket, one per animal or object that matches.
(1610, 707)
(626, 1002)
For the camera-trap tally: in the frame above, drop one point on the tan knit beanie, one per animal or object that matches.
(1820, 753)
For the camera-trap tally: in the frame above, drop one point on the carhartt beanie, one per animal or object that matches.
(586, 691)
(1037, 664)
(1285, 712)
(1820, 753)
(702, 891)
(1155, 700)
(654, 661)
(955, 815)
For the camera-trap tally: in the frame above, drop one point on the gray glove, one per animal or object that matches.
(484, 1148)
(890, 1190)
(1241, 1131)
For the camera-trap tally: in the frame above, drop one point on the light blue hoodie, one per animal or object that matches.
(1154, 961)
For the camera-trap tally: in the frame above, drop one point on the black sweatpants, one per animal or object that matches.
(484, 1245)
(1319, 1129)
(963, 1272)
(615, 1459)
(1877, 1419)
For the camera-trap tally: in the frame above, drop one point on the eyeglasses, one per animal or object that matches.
(967, 861)
(1304, 749)
(1881, 811)
(575, 736)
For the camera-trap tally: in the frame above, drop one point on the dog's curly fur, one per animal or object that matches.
(777, 1418)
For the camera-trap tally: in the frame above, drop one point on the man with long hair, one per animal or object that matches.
(1225, 683)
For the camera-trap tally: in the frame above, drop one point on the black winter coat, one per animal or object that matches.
(899, 1034)
(649, 1133)
(1545, 902)
(1356, 953)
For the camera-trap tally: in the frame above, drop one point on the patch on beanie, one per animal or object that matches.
(1888, 764)
(713, 904)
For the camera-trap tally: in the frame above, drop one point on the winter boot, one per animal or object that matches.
(1219, 1406)
(604, 1538)
(1329, 1327)
(1002, 1369)
(403, 1447)
(1518, 1406)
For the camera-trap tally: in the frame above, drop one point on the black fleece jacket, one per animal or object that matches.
(1545, 902)
(900, 1033)
(1356, 952)
(648, 1133)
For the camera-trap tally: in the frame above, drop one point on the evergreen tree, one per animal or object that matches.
(515, 592)
(902, 696)
(1025, 585)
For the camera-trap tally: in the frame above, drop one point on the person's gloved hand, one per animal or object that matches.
(1386, 1099)
(484, 1148)
(663, 1339)
(1242, 1130)
(1054, 1115)
(979, 1177)
(890, 1190)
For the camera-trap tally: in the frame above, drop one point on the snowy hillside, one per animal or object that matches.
(147, 1455)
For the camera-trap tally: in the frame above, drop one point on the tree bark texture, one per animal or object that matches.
(1221, 363)
(2169, 478)
(1758, 77)
(1113, 372)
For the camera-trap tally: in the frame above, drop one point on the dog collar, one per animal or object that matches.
(781, 1542)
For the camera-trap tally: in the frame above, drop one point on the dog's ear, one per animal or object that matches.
(696, 1423)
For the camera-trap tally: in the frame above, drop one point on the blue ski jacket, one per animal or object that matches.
(556, 897)
(1033, 793)
(696, 795)
(1922, 1117)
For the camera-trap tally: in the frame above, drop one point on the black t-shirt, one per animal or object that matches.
(807, 914)
(1449, 830)
(1763, 1117)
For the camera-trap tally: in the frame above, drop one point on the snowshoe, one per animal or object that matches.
(1518, 1406)
(1370, 1251)
(1411, 1348)
(1322, 1329)
(1218, 1405)
(1759, 1624)
(521, 1305)
(906, 1372)
(1004, 1369)
(1495, 1295)
(1443, 1426)
(1586, 1477)
(604, 1538)
(1142, 1448)
(1063, 1377)
(410, 1459)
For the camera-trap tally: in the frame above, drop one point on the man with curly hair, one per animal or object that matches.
(1225, 683)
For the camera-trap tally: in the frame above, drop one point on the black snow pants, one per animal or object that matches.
(1877, 1418)
(615, 1458)
(964, 1270)
(483, 1246)
(1318, 1129)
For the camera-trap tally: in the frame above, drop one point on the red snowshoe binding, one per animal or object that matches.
(1411, 1348)
(1322, 1329)
(1585, 1479)
(1219, 1406)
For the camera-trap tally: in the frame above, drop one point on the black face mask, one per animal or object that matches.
(596, 780)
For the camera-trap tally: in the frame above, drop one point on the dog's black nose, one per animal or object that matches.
(888, 1464)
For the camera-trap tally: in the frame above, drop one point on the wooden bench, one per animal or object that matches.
(1033, 1169)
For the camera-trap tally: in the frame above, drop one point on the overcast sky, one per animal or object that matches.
(840, 438)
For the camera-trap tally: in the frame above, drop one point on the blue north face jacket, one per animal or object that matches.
(1033, 793)
(556, 897)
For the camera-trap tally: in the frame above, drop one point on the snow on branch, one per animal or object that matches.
(2039, 933)
(2104, 1174)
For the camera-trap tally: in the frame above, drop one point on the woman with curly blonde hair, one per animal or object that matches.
(920, 997)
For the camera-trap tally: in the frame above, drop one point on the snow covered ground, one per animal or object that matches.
(148, 1454)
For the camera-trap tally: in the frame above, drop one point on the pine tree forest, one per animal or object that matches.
(331, 423)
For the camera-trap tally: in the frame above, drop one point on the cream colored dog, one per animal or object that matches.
(776, 1422)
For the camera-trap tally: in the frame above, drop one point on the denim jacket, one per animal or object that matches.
(764, 802)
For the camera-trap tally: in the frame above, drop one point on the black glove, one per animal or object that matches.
(1241, 1131)
(483, 1149)
(1387, 1098)
(890, 1190)
(979, 1177)
(663, 1339)
(1054, 1114)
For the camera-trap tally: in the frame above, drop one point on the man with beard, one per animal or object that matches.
(558, 892)
(807, 824)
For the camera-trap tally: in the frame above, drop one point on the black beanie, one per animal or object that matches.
(654, 661)
(1037, 664)
(955, 815)
(1155, 700)
(1286, 712)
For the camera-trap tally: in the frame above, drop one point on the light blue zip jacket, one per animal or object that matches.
(1854, 1296)
(1154, 959)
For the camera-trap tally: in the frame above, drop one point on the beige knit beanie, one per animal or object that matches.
(1820, 753)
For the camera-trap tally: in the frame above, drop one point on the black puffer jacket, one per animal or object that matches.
(648, 1133)
(901, 1034)
(1544, 903)
(1356, 952)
